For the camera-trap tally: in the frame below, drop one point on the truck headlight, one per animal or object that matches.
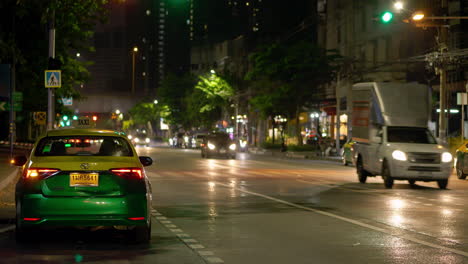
(232, 147)
(446, 157)
(399, 155)
(211, 146)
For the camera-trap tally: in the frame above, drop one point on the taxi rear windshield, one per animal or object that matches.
(83, 146)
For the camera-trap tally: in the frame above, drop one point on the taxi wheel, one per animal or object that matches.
(460, 174)
(22, 234)
(140, 234)
(442, 184)
(411, 182)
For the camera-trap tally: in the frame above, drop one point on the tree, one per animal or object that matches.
(174, 93)
(24, 42)
(286, 77)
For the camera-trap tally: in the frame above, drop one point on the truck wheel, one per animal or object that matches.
(361, 172)
(442, 184)
(387, 176)
(411, 182)
(460, 174)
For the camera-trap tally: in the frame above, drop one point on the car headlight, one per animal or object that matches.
(399, 155)
(446, 157)
(129, 136)
(147, 140)
(232, 147)
(137, 140)
(211, 146)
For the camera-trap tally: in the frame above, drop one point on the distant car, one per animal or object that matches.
(140, 139)
(347, 155)
(199, 140)
(83, 178)
(218, 144)
(461, 164)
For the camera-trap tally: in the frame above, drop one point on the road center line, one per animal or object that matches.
(352, 221)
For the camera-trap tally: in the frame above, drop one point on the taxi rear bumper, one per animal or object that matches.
(83, 211)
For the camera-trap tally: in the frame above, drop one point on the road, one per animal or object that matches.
(258, 209)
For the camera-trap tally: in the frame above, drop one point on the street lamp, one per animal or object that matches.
(398, 5)
(135, 50)
(155, 102)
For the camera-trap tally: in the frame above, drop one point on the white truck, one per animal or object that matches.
(390, 127)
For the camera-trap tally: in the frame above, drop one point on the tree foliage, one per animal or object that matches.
(286, 77)
(24, 41)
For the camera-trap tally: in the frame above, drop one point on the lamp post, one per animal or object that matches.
(135, 50)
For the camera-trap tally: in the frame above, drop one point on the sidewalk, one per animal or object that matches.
(312, 155)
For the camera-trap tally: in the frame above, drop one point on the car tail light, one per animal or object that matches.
(136, 218)
(32, 219)
(39, 173)
(129, 173)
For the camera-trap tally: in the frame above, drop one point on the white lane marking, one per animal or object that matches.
(214, 260)
(161, 218)
(171, 226)
(189, 240)
(182, 235)
(165, 222)
(6, 229)
(196, 246)
(352, 221)
(177, 230)
(205, 253)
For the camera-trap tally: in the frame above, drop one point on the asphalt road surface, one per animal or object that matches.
(258, 209)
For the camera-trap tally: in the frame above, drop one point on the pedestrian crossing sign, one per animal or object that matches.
(53, 79)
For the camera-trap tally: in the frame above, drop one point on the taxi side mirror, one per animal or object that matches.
(19, 160)
(146, 161)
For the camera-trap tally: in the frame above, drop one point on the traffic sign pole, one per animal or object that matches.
(50, 92)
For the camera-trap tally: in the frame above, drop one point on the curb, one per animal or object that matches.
(293, 155)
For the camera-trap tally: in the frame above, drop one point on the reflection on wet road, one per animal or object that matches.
(257, 209)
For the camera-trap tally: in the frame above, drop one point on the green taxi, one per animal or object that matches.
(83, 178)
(347, 154)
(461, 161)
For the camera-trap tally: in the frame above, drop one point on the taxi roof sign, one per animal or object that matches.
(84, 122)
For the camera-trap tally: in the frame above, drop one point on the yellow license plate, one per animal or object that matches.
(84, 179)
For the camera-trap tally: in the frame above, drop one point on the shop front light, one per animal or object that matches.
(232, 147)
(211, 146)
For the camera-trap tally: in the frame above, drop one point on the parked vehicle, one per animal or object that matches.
(389, 122)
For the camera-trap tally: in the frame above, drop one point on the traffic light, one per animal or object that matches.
(386, 17)
(65, 118)
(95, 118)
(75, 117)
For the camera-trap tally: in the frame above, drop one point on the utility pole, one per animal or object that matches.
(443, 32)
(50, 91)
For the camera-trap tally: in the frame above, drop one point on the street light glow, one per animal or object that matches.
(418, 16)
(117, 111)
(212, 71)
(78, 54)
(135, 49)
(398, 5)
(155, 102)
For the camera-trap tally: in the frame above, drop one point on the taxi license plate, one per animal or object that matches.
(84, 179)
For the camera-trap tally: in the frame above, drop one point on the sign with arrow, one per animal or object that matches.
(53, 79)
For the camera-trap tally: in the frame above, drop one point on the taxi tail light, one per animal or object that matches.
(37, 173)
(31, 219)
(128, 173)
(136, 218)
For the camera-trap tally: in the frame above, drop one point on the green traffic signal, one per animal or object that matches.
(65, 118)
(75, 117)
(386, 17)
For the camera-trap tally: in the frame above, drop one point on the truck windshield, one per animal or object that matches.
(410, 135)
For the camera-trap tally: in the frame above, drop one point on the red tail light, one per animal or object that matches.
(37, 173)
(129, 173)
(136, 218)
(31, 219)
